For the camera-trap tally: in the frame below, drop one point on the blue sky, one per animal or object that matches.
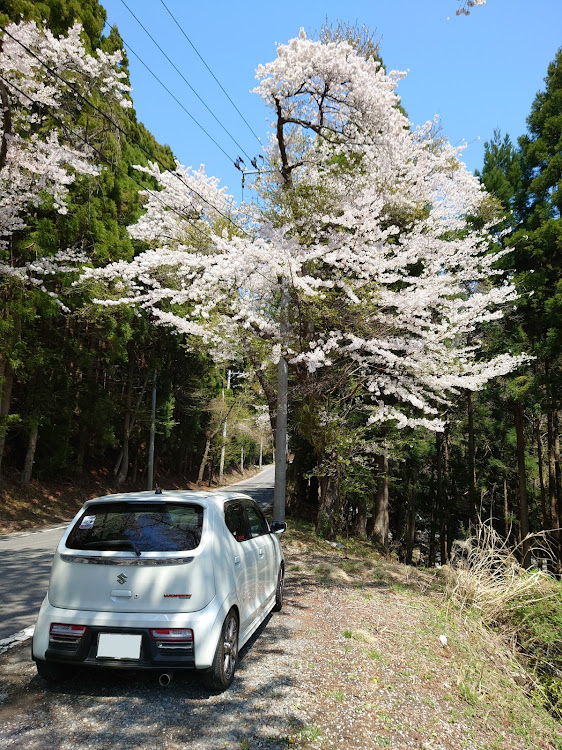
(477, 73)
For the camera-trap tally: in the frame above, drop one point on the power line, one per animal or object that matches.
(104, 158)
(211, 72)
(187, 112)
(238, 161)
(120, 129)
(112, 165)
(185, 79)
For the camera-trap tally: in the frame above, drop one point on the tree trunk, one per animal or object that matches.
(360, 524)
(204, 460)
(544, 511)
(380, 515)
(152, 438)
(82, 449)
(326, 522)
(521, 473)
(552, 499)
(5, 401)
(411, 521)
(30, 454)
(124, 467)
(432, 555)
(557, 471)
(224, 431)
(558, 477)
(441, 499)
(223, 451)
(444, 499)
(471, 461)
(129, 422)
(506, 529)
(328, 508)
(117, 464)
(450, 505)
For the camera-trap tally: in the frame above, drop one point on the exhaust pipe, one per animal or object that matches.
(165, 679)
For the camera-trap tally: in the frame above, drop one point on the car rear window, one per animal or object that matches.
(139, 527)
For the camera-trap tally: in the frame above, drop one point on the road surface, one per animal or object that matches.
(25, 562)
(259, 487)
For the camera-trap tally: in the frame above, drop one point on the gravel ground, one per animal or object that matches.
(343, 665)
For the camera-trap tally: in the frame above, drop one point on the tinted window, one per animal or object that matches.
(258, 524)
(235, 520)
(141, 527)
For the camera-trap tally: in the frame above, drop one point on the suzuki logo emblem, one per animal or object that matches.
(121, 578)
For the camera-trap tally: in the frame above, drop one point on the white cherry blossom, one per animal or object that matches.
(365, 249)
(34, 165)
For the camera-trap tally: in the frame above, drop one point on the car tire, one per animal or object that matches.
(278, 606)
(52, 672)
(221, 674)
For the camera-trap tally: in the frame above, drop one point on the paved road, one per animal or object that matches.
(259, 487)
(25, 562)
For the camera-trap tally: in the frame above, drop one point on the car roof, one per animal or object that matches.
(204, 498)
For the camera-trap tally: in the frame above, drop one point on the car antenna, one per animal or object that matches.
(157, 491)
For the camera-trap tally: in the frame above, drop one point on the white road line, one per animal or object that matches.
(15, 535)
(16, 638)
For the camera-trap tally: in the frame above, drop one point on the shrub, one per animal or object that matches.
(524, 606)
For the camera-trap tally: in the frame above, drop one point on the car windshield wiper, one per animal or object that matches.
(109, 543)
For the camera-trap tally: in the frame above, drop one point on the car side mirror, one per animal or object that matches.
(278, 527)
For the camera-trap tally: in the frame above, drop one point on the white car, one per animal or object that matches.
(161, 581)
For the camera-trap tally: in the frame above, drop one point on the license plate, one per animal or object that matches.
(119, 646)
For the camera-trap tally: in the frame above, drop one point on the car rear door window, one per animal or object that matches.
(236, 522)
(140, 527)
(258, 524)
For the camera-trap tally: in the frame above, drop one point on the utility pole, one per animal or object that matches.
(280, 490)
(224, 427)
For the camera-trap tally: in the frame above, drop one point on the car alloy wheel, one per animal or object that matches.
(279, 591)
(221, 674)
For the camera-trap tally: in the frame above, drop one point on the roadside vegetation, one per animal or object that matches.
(489, 632)
(523, 606)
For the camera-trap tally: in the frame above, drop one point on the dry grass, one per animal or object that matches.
(490, 578)
(523, 607)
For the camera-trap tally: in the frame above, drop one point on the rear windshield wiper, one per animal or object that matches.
(110, 543)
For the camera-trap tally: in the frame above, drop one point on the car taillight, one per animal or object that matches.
(171, 634)
(66, 637)
(74, 631)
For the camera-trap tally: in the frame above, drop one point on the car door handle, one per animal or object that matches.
(237, 560)
(261, 552)
(122, 593)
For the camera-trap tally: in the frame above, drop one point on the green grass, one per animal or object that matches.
(310, 733)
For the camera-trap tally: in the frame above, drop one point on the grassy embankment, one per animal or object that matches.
(502, 625)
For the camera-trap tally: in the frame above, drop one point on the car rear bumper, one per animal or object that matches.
(206, 626)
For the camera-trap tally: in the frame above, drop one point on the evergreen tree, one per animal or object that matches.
(528, 182)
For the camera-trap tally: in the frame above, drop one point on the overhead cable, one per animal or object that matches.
(102, 156)
(120, 129)
(187, 112)
(211, 72)
(178, 71)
